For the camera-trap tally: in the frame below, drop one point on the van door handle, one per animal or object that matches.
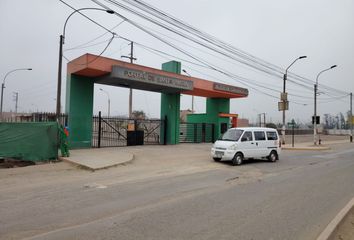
(257, 144)
(252, 143)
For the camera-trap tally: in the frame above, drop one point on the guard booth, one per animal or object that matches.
(89, 69)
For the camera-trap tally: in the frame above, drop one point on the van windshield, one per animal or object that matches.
(231, 135)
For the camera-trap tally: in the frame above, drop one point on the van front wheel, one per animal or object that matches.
(273, 156)
(238, 159)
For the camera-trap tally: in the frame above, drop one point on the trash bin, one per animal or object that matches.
(135, 138)
(139, 137)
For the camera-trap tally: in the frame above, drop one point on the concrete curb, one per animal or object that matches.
(127, 161)
(333, 225)
(306, 148)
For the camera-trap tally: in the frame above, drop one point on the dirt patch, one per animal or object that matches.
(345, 230)
(13, 163)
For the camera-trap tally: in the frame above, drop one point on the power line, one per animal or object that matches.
(99, 55)
(213, 77)
(240, 79)
(159, 52)
(208, 38)
(94, 39)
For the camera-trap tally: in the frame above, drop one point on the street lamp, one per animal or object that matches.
(3, 84)
(315, 105)
(183, 70)
(61, 43)
(284, 97)
(109, 101)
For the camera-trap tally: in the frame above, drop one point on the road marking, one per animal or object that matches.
(95, 185)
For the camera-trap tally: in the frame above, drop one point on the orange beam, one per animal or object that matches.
(90, 65)
(228, 115)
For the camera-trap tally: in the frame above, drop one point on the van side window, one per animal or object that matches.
(272, 136)
(259, 136)
(247, 136)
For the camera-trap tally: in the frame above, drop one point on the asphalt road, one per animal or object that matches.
(294, 198)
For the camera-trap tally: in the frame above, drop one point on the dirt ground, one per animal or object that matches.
(12, 163)
(345, 230)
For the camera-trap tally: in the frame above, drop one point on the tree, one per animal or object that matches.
(341, 120)
(271, 125)
(330, 121)
(138, 114)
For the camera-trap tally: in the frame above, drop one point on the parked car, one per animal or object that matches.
(239, 144)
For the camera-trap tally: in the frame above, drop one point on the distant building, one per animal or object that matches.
(14, 117)
(242, 122)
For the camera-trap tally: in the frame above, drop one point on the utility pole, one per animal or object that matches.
(315, 116)
(16, 101)
(132, 58)
(284, 98)
(61, 43)
(60, 63)
(264, 118)
(260, 119)
(351, 117)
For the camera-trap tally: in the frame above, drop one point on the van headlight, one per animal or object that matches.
(232, 147)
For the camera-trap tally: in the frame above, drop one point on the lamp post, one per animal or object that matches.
(109, 101)
(315, 105)
(284, 97)
(183, 70)
(61, 43)
(3, 84)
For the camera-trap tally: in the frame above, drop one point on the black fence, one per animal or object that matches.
(117, 132)
(152, 129)
(196, 132)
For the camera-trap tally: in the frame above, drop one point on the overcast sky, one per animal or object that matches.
(277, 31)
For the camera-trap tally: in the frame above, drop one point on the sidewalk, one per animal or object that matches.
(98, 158)
(311, 146)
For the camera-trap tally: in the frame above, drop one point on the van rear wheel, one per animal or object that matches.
(273, 156)
(238, 159)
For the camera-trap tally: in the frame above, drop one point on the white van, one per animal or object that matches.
(238, 144)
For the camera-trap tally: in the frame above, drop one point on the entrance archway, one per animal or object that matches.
(88, 69)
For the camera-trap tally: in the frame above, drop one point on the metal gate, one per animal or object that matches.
(116, 132)
(196, 132)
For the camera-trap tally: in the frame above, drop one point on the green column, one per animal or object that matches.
(79, 107)
(214, 106)
(170, 107)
